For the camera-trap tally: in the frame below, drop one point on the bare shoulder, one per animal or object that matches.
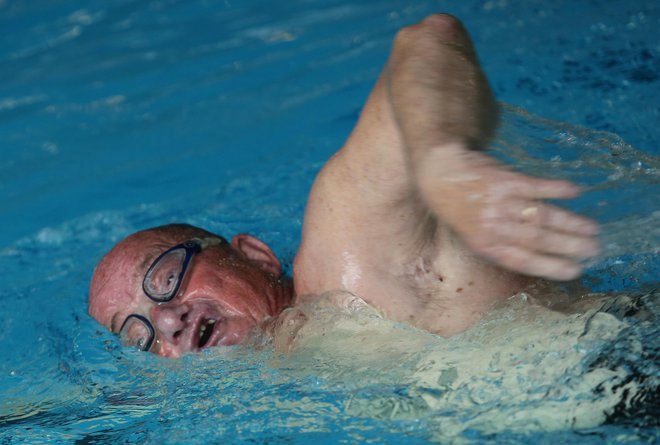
(410, 216)
(362, 206)
(367, 230)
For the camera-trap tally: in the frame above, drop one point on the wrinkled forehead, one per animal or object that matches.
(117, 280)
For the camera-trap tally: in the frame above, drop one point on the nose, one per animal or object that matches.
(170, 321)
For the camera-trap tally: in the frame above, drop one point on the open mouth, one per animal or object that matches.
(206, 329)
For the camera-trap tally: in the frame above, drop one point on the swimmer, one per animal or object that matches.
(410, 215)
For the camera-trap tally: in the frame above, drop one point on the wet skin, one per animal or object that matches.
(227, 291)
(409, 215)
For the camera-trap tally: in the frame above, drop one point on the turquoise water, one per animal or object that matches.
(120, 115)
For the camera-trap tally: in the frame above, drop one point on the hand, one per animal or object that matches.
(500, 215)
(446, 112)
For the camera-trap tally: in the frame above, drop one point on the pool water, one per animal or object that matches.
(119, 115)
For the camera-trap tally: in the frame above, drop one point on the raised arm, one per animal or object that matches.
(446, 113)
(412, 216)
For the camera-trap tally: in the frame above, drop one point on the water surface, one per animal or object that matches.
(124, 114)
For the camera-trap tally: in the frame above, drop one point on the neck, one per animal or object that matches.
(283, 295)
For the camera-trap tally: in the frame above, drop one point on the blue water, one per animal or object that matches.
(120, 115)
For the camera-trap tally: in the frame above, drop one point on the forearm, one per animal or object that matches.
(444, 110)
(438, 92)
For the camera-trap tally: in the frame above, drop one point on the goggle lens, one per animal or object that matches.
(163, 277)
(137, 333)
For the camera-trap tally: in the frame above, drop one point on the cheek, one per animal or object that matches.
(239, 290)
(165, 350)
(202, 280)
(236, 330)
(251, 295)
(235, 285)
(213, 274)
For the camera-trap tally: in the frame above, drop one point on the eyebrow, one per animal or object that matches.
(148, 259)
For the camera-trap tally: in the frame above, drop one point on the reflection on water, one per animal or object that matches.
(524, 374)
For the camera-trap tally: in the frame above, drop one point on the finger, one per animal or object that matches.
(534, 188)
(529, 262)
(551, 217)
(565, 221)
(542, 239)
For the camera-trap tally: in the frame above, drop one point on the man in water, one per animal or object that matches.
(409, 215)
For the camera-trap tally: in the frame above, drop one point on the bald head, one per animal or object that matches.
(128, 260)
(235, 285)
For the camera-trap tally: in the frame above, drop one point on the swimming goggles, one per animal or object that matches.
(161, 284)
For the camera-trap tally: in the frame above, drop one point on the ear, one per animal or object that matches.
(258, 252)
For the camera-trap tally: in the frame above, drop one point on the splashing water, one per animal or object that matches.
(524, 374)
(619, 185)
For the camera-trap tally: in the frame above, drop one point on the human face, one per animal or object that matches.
(222, 296)
(161, 284)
